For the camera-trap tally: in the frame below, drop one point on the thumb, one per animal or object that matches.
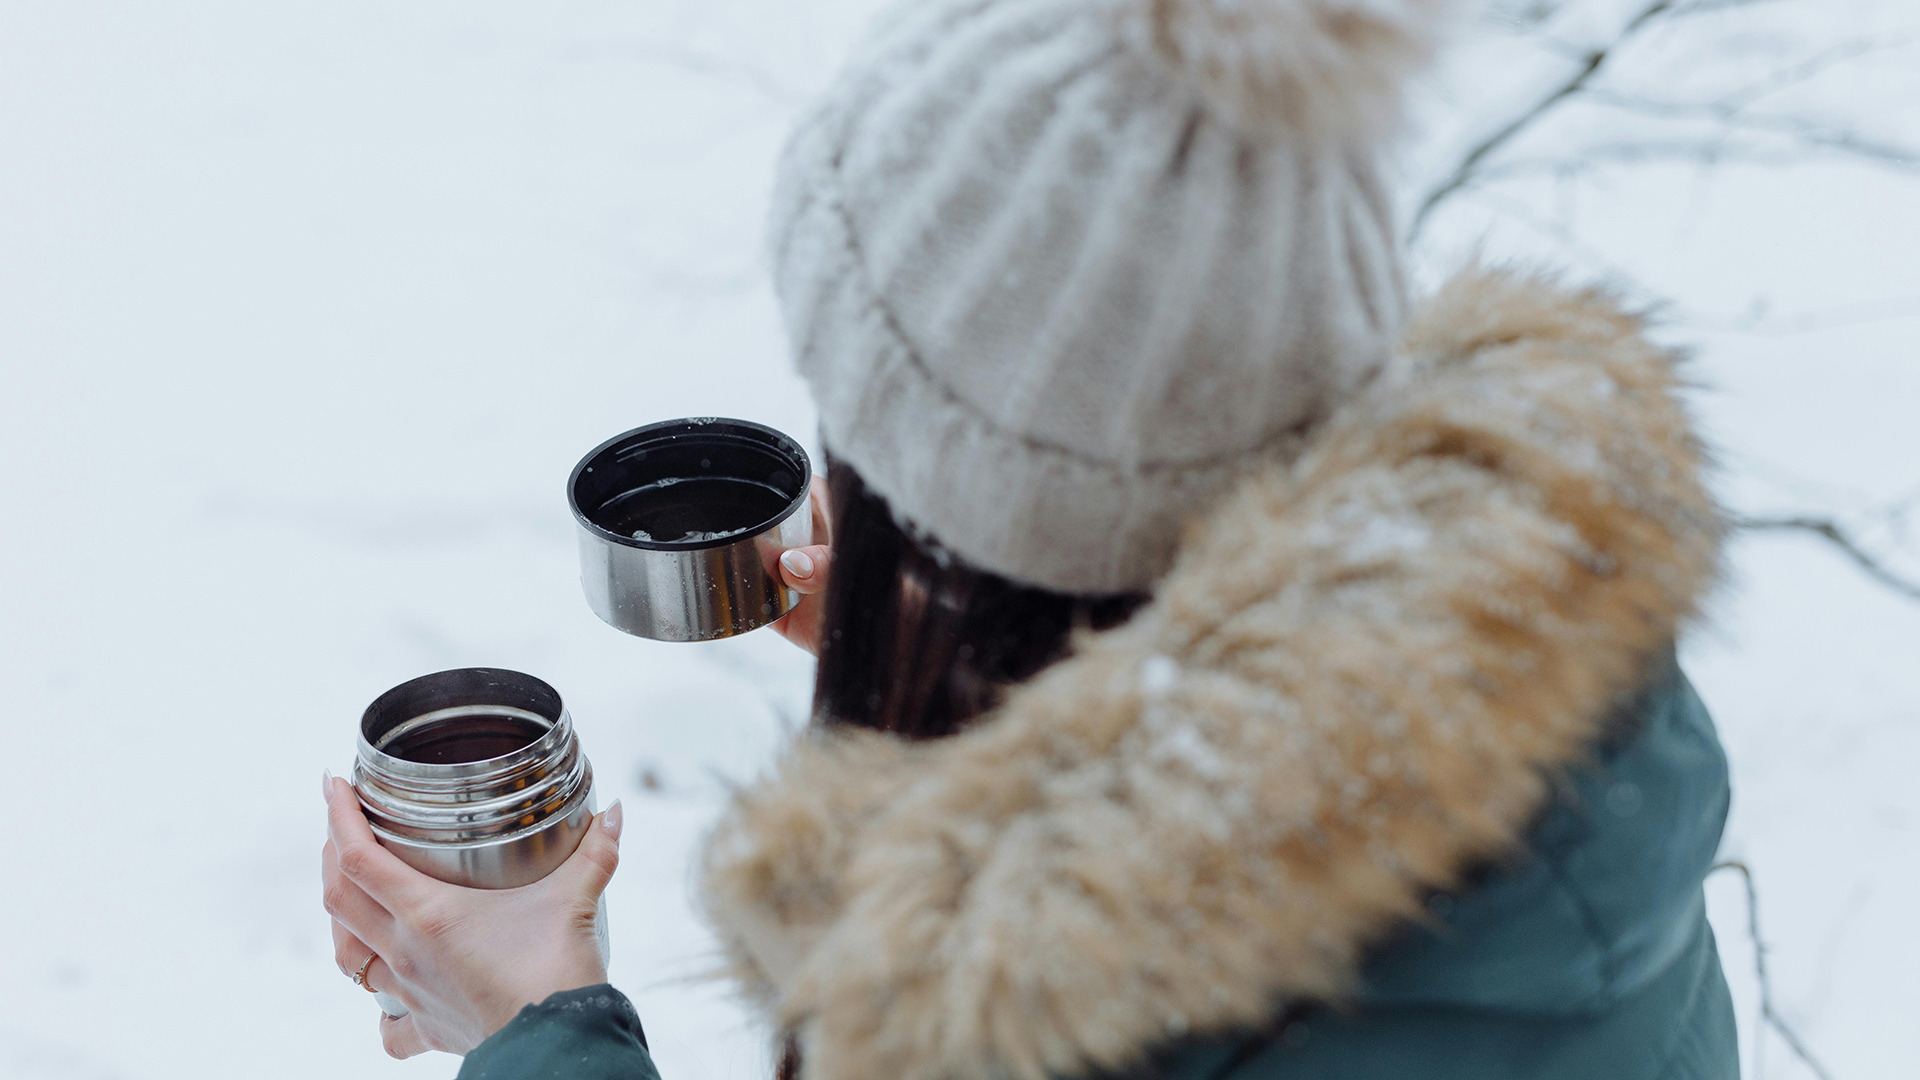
(591, 866)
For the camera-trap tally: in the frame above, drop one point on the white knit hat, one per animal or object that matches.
(1059, 271)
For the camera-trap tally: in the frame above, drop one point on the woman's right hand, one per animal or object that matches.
(805, 571)
(465, 961)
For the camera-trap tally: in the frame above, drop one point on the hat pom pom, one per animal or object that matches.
(1329, 70)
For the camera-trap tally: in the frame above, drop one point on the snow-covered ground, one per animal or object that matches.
(306, 310)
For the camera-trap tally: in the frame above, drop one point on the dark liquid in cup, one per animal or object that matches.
(458, 740)
(695, 509)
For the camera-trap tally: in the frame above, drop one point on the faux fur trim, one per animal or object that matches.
(1326, 69)
(1350, 687)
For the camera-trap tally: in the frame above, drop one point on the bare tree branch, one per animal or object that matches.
(1770, 1015)
(1761, 322)
(1812, 134)
(1709, 7)
(1643, 152)
(1797, 137)
(1735, 134)
(1838, 537)
(1895, 513)
(1730, 112)
(1816, 65)
(1595, 60)
(1527, 14)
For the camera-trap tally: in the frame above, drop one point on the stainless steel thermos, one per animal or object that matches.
(475, 776)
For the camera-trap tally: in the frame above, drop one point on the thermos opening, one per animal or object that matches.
(461, 716)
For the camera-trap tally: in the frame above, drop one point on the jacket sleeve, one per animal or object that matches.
(591, 1033)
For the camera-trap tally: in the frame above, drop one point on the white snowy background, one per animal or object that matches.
(307, 308)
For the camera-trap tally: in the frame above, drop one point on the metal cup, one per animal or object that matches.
(681, 524)
(474, 776)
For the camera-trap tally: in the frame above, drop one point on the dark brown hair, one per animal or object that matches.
(917, 642)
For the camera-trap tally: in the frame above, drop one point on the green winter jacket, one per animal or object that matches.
(1393, 777)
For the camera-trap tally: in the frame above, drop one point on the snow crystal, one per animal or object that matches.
(1187, 746)
(1158, 674)
(1383, 536)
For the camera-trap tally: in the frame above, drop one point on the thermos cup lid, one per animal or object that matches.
(681, 523)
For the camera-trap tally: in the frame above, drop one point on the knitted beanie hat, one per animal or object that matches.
(1059, 271)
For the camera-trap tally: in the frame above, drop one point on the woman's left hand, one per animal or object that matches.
(463, 960)
(804, 570)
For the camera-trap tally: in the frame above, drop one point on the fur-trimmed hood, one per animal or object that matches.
(1353, 685)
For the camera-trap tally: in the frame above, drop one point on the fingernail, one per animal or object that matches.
(326, 785)
(797, 562)
(613, 819)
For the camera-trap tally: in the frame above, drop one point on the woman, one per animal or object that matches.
(1221, 673)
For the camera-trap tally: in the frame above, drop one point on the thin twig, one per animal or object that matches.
(1730, 112)
(1709, 7)
(1816, 65)
(1760, 321)
(1808, 133)
(1527, 15)
(1594, 61)
(1768, 1013)
(1644, 152)
(1838, 537)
